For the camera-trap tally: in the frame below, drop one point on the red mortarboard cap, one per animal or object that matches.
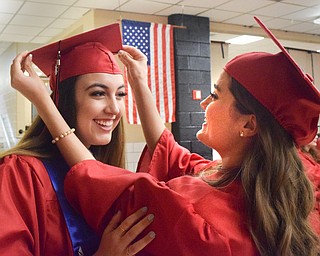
(281, 86)
(89, 52)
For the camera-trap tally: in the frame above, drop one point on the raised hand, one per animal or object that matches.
(30, 85)
(136, 64)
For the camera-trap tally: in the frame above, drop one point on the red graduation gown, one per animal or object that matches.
(191, 217)
(30, 217)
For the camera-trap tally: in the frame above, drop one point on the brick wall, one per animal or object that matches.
(192, 67)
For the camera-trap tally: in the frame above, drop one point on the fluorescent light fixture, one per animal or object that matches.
(318, 50)
(317, 21)
(244, 39)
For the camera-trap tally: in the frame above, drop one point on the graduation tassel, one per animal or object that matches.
(57, 75)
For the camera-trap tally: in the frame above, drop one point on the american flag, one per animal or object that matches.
(156, 42)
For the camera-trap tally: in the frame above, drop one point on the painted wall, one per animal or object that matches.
(15, 110)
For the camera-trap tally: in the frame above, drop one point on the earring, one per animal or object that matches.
(241, 134)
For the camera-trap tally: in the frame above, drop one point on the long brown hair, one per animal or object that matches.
(279, 195)
(37, 140)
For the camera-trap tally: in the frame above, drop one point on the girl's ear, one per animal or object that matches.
(250, 127)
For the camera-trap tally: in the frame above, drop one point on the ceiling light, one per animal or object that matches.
(316, 21)
(318, 50)
(244, 39)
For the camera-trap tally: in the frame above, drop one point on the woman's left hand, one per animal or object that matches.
(117, 239)
(136, 64)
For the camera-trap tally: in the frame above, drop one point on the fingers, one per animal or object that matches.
(16, 69)
(137, 228)
(31, 85)
(114, 223)
(130, 54)
(133, 51)
(134, 231)
(133, 225)
(131, 234)
(20, 57)
(16, 65)
(28, 66)
(117, 240)
(140, 244)
(22, 62)
(133, 218)
(123, 58)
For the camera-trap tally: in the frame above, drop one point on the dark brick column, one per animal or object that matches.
(192, 68)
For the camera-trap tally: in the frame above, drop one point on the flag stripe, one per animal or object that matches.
(160, 70)
(165, 72)
(155, 64)
(171, 76)
(127, 99)
(168, 74)
(152, 73)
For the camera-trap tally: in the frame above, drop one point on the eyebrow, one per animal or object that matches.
(103, 86)
(217, 87)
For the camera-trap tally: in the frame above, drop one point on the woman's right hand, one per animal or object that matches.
(117, 238)
(31, 85)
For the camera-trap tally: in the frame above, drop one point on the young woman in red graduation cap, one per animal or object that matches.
(255, 201)
(88, 89)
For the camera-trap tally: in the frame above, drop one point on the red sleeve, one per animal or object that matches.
(170, 160)
(30, 218)
(18, 217)
(98, 190)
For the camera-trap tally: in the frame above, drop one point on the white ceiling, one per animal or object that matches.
(37, 21)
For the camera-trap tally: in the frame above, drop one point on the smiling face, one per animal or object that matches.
(223, 122)
(100, 106)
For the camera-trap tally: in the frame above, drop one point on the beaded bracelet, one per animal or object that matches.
(61, 136)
